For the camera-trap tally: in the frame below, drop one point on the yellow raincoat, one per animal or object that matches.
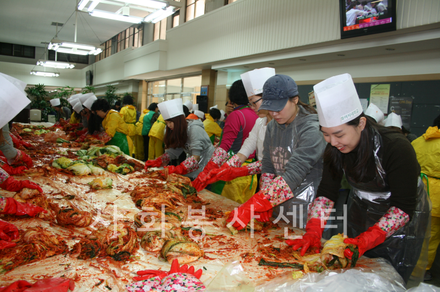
(212, 128)
(427, 148)
(128, 113)
(113, 124)
(157, 133)
(73, 119)
(139, 140)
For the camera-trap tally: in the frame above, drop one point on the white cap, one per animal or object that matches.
(215, 106)
(188, 104)
(254, 80)
(74, 96)
(78, 107)
(195, 107)
(393, 120)
(222, 117)
(337, 101)
(55, 102)
(200, 114)
(84, 97)
(374, 112)
(12, 98)
(89, 102)
(73, 101)
(171, 108)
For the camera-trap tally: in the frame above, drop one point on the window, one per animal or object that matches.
(17, 50)
(160, 30)
(131, 37)
(186, 88)
(176, 18)
(70, 58)
(194, 8)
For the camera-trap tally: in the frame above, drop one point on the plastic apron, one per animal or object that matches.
(295, 209)
(120, 140)
(368, 202)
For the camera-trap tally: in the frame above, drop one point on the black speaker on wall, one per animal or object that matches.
(202, 101)
(89, 77)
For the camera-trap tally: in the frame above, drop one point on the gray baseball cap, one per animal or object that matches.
(276, 92)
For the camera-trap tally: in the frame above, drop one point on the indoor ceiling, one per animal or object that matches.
(33, 23)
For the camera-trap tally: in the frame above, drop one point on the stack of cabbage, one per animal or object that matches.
(78, 167)
(94, 152)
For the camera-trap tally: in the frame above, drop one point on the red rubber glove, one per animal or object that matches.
(202, 179)
(153, 163)
(16, 208)
(227, 173)
(22, 157)
(147, 274)
(12, 170)
(13, 185)
(180, 169)
(8, 232)
(312, 237)
(366, 240)
(257, 203)
(45, 285)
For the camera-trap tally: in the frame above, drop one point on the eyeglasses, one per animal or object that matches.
(254, 104)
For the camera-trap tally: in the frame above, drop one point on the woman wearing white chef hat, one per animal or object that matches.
(394, 121)
(388, 209)
(253, 82)
(12, 101)
(62, 112)
(182, 135)
(75, 118)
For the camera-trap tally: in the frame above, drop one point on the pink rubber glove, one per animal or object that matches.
(202, 179)
(257, 203)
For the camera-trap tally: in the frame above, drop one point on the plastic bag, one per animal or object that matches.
(231, 278)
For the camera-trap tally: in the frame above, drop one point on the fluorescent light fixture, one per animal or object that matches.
(82, 4)
(44, 74)
(55, 64)
(113, 16)
(74, 48)
(147, 3)
(93, 5)
(158, 15)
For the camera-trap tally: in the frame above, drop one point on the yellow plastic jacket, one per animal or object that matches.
(113, 123)
(211, 127)
(73, 119)
(158, 128)
(140, 123)
(129, 114)
(427, 148)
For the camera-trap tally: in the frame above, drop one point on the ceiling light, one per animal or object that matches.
(44, 74)
(113, 16)
(73, 48)
(82, 4)
(93, 5)
(146, 3)
(55, 64)
(158, 15)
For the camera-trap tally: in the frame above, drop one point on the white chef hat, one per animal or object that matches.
(74, 96)
(393, 120)
(222, 117)
(89, 102)
(215, 106)
(188, 104)
(55, 102)
(195, 107)
(374, 112)
(84, 97)
(254, 80)
(12, 98)
(200, 114)
(78, 107)
(73, 101)
(337, 100)
(171, 108)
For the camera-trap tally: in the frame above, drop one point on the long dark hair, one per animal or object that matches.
(94, 123)
(364, 152)
(306, 106)
(177, 137)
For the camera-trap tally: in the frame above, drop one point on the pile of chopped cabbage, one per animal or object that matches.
(122, 169)
(110, 150)
(101, 183)
(79, 167)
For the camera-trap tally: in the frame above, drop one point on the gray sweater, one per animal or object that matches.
(198, 143)
(293, 151)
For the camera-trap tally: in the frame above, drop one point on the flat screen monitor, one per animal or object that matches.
(359, 18)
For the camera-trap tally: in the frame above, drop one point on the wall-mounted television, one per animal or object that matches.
(89, 77)
(359, 18)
